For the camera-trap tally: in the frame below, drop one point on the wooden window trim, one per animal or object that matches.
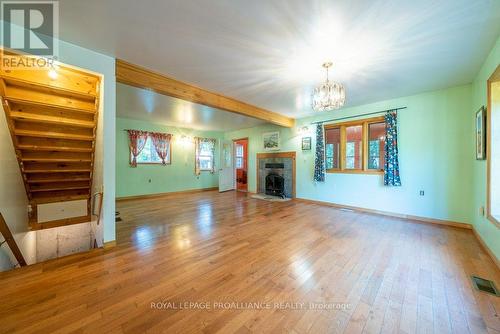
(495, 77)
(364, 146)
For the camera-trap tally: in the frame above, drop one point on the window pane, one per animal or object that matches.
(353, 154)
(376, 145)
(239, 150)
(148, 153)
(239, 162)
(205, 162)
(205, 148)
(332, 140)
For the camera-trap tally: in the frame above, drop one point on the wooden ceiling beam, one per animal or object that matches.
(140, 77)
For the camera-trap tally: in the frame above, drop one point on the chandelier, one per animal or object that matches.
(329, 95)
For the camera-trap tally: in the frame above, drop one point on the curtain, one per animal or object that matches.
(203, 145)
(391, 170)
(137, 140)
(161, 142)
(319, 161)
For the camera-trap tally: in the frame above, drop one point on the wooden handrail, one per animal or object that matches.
(9, 239)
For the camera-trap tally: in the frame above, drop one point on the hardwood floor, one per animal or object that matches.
(369, 273)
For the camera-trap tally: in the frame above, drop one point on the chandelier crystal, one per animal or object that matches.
(329, 95)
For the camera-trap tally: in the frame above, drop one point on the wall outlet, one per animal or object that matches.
(422, 193)
(149, 180)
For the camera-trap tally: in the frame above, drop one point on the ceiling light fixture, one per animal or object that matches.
(329, 95)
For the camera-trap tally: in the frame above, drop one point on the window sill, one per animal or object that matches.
(355, 171)
(153, 163)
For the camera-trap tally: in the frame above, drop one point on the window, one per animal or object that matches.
(332, 148)
(360, 144)
(492, 147)
(149, 155)
(206, 157)
(376, 146)
(353, 146)
(239, 156)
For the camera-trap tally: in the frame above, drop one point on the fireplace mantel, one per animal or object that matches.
(284, 155)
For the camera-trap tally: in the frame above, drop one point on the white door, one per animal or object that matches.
(226, 170)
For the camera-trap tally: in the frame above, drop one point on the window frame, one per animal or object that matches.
(236, 156)
(494, 78)
(168, 162)
(364, 146)
(212, 160)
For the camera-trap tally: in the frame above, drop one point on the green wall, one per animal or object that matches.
(435, 156)
(436, 143)
(488, 231)
(177, 176)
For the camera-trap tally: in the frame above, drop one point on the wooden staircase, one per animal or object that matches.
(52, 123)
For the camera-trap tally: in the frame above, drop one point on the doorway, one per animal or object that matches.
(241, 163)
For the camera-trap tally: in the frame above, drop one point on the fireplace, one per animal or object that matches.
(276, 174)
(275, 185)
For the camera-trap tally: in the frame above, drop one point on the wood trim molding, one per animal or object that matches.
(291, 155)
(34, 226)
(495, 77)
(189, 191)
(137, 76)
(109, 244)
(364, 123)
(390, 214)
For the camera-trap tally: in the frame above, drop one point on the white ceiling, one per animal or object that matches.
(269, 52)
(149, 106)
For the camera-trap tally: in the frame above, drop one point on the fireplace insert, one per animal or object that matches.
(275, 185)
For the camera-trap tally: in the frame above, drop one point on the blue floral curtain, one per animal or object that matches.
(319, 162)
(391, 170)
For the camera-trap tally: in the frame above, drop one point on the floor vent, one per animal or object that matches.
(346, 210)
(485, 285)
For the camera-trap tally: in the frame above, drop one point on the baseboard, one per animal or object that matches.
(109, 244)
(486, 248)
(390, 214)
(190, 191)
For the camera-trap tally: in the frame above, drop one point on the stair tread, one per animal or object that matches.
(35, 97)
(34, 190)
(54, 180)
(34, 225)
(63, 198)
(56, 160)
(53, 148)
(74, 170)
(46, 134)
(51, 119)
